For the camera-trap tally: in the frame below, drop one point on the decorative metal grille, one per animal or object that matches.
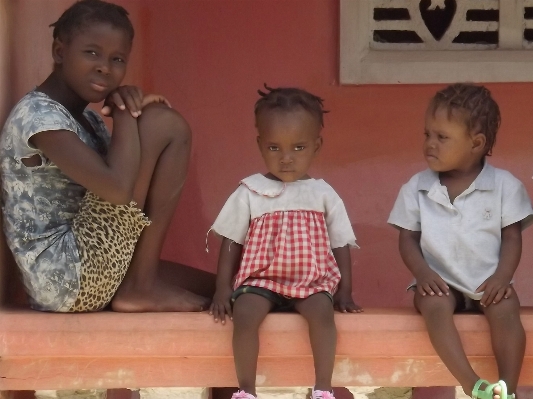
(450, 24)
(436, 41)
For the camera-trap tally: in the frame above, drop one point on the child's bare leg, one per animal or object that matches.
(165, 147)
(318, 311)
(508, 339)
(249, 311)
(438, 315)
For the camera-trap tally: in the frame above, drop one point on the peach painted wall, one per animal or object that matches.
(209, 57)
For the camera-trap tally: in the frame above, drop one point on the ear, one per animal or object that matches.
(57, 51)
(318, 144)
(479, 140)
(258, 139)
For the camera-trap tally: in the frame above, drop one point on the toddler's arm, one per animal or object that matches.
(497, 286)
(428, 282)
(343, 300)
(228, 263)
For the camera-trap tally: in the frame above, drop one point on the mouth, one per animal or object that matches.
(99, 86)
(431, 157)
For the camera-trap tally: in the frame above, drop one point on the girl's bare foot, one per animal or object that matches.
(161, 298)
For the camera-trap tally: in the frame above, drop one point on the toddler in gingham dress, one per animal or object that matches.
(286, 239)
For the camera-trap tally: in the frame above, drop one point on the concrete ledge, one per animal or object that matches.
(380, 347)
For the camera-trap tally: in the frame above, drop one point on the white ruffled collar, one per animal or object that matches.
(266, 187)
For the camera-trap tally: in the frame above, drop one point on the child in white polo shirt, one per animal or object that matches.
(460, 225)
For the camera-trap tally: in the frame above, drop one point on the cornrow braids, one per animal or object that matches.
(475, 105)
(85, 12)
(288, 99)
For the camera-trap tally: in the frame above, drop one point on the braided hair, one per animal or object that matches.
(475, 105)
(290, 99)
(85, 12)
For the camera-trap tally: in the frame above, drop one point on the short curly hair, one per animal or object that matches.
(85, 12)
(474, 105)
(289, 99)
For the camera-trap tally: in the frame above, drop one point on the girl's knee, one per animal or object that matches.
(317, 308)
(249, 310)
(158, 119)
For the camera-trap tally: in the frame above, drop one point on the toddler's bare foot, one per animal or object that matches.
(497, 391)
(160, 298)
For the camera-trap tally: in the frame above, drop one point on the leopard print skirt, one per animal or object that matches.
(106, 235)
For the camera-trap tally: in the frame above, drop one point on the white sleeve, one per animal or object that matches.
(233, 220)
(340, 229)
(406, 211)
(516, 205)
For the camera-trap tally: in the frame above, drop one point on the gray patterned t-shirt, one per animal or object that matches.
(40, 202)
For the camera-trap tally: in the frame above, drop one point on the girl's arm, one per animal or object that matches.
(428, 282)
(228, 264)
(343, 300)
(497, 286)
(112, 179)
(131, 98)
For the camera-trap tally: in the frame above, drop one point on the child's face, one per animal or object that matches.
(93, 62)
(449, 145)
(288, 142)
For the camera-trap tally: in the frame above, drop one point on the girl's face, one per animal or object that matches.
(288, 142)
(93, 62)
(449, 145)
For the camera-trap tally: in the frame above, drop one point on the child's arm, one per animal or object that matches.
(228, 263)
(428, 282)
(343, 300)
(113, 178)
(497, 286)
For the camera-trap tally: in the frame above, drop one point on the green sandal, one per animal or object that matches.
(488, 392)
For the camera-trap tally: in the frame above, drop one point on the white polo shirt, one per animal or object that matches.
(461, 241)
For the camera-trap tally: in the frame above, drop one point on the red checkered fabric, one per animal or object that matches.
(288, 252)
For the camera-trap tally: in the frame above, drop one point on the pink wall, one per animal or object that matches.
(209, 58)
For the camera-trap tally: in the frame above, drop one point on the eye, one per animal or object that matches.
(119, 60)
(426, 134)
(273, 148)
(91, 52)
(299, 148)
(442, 137)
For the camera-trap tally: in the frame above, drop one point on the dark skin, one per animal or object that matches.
(146, 161)
(288, 142)
(250, 310)
(457, 155)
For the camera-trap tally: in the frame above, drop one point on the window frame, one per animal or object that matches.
(361, 64)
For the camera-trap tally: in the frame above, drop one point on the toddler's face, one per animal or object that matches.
(288, 142)
(448, 144)
(93, 61)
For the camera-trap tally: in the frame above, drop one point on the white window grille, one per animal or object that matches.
(436, 41)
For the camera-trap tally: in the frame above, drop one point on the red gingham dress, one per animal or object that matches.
(289, 253)
(284, 232)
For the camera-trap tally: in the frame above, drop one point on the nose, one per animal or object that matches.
(430, 142)
(286, 158)
(103, 68)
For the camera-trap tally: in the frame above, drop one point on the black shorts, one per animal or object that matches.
(281, 303)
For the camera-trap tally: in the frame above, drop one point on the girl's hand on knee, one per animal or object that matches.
(494, 289)
(344, 303)
(430, 283)
(221, 305)
(124, 97)
(154, 98)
